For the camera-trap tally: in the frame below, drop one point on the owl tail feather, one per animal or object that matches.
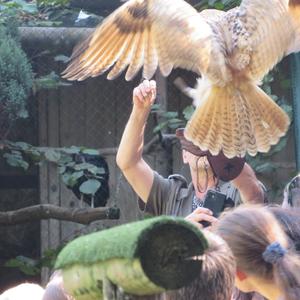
(237, 118)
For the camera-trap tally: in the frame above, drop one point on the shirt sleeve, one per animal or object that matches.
(163, 191)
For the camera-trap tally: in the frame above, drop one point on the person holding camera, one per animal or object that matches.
(228, 180)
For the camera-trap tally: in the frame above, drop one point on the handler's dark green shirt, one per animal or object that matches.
(173, 196)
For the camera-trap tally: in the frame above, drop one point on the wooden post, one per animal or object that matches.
(43, 138)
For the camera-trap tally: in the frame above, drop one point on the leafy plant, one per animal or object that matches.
(26, 265)
(16, 80)
(49, 81)
(30, 266)
(22, 155)
(170, 119)
(53, 3)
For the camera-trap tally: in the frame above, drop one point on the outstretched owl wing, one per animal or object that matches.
(149, 33)
(261, 34)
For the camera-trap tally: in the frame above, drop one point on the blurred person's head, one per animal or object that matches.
(23, 291)
(265, 262)
(216, 280)
(55, 288)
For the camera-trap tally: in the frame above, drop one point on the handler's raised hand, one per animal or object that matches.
(144, 94)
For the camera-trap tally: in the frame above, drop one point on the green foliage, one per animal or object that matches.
(170, 119)
(31, 266)
(26, 265)
(49, 81)
(33, 13)
(23, 155)
(56, 3)
(217, 4)
(16, 78)
(18, 9)
(18, 5)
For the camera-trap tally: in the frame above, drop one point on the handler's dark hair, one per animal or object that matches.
(216, 281)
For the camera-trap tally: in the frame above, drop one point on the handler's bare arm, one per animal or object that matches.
(129, 157)
(249, 187)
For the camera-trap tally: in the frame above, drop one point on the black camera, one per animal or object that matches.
(216, 202)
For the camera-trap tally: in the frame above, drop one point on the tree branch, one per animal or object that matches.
(46, 211)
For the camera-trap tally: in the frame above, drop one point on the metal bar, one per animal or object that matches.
(295, 76)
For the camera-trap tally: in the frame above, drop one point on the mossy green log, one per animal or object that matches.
(143, 258)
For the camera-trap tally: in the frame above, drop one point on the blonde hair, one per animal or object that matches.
(261, 248)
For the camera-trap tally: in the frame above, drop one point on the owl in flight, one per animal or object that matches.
(231, 51)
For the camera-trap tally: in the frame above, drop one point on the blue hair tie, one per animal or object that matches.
(273, 253)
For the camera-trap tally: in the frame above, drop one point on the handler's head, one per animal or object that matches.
(222, 167)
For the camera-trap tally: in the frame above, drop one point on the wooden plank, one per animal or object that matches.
(72, 115)
(100, 124)
(43, 174)
(69, 229)
(72, 130)
(54, 182)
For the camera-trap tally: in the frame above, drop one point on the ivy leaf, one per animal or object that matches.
(22, 145)
(52, 155)
(100, 171)
(278, 147)
(62, 58)
(155, 108)
(66, 159)
(27, 7)
(160, 126)
(265, 168)
(90, 187)
(16, 161)
(24, 264)
(74, 177)
(35, 155)
(62, 169)
(65, 178)
(84, 166)
(170, 114)
(71, 150)
(188, 111)
(90, 151)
